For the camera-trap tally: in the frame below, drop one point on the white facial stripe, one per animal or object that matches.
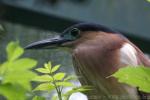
(128, 55)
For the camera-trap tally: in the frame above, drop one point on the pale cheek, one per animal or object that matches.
(128, 55)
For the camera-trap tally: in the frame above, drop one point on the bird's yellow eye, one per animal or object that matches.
(75, 32)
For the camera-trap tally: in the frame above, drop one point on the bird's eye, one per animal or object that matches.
(75, 32)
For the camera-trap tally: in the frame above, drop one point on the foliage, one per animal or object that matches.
(148, 0)
(16, 74)
(38, 98)
(135, 76)
(51, 80)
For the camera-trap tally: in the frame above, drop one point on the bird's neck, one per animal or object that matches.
(96, 59)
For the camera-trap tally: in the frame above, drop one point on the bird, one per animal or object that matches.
(98, 52)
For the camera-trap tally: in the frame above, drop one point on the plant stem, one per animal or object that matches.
(59, 95)
(56, 87)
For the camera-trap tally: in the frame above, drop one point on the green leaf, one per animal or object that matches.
(38, 98)
(48, 66)
(65, 84)
(71, 77)
(43, 78)
(135, 76)
(148, 0)
(77, 89)
(15, 73)
(12, 92)
(24, 64)
(43, 70)
(17, 65)
(59, 76)
(44, 87)
(14, 51)
(4, 67)
(55, 68)
(22, 78)
(55, 97)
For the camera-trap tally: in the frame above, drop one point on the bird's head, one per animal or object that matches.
(72, 36)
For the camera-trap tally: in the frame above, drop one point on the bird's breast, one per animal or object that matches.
(97, 59)
(93, 64)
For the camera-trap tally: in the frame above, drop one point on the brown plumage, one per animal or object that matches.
(97, 53)
(101, 65)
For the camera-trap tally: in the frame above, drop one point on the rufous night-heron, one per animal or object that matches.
(97, 53)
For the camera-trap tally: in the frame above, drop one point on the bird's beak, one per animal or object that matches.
(47, 43)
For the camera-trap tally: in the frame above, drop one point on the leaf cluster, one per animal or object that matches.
(52, 80)
(138, 76)
(16, 74)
